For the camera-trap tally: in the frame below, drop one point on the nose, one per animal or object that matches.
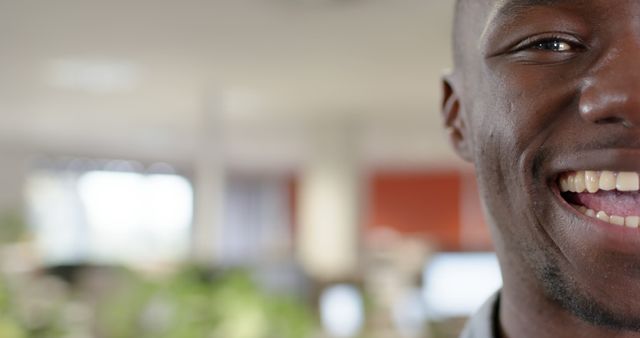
(611, 94)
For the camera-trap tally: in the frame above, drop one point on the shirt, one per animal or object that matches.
(483, 323)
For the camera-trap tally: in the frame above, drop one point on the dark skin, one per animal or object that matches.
(541, 88)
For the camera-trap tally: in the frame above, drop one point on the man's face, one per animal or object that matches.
(543, 91)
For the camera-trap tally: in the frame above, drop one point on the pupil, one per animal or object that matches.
(552, 45)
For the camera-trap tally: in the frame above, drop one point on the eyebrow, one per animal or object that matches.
(511, 7)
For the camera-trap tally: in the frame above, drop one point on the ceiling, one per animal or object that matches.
(143, 78)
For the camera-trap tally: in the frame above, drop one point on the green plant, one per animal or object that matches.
(12, 226)
(191, 305)
(10, 327)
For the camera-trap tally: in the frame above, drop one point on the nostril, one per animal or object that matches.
(616, 120)
(613, 120)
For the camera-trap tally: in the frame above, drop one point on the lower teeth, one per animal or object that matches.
(629, 221)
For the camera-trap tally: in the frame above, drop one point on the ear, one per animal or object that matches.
(453, 119)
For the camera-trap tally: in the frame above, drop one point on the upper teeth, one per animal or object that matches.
(593, 181)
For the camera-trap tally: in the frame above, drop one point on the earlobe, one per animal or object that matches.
(453, 118)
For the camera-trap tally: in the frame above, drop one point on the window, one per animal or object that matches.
(457, 284)
(107, 216)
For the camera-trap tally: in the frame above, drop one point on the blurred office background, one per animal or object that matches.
(233, 169)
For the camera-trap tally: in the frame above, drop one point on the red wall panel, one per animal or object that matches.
(422, 204)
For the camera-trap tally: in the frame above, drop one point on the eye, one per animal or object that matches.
(553, 45)
(550, 44)
(543, 48)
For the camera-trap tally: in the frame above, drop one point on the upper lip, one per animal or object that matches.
(622, 159)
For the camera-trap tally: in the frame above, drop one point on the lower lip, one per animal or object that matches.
(602, 234)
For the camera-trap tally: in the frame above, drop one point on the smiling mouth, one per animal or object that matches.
(612, 197)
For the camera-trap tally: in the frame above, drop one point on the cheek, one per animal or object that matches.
(514, 127)
(534, 100)
(496, 157)
(523, 108)
(498, 133)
